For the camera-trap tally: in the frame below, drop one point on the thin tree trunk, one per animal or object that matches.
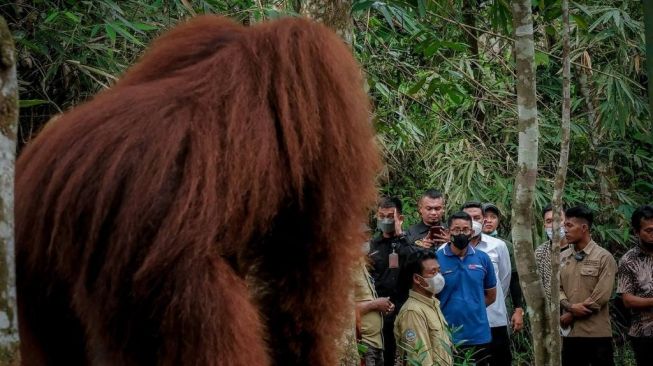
(554, 346)
(471, 33)
(335, 14)
(8, 129)
(522, 215)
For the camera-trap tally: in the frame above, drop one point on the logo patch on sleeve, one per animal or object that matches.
(410, 336)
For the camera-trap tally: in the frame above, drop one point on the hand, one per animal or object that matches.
(579, 310)
(517, 320)
(441, 239)
(384, 305)
(425, 243)
(566, 319)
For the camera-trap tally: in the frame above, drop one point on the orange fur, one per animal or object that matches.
(226, 152)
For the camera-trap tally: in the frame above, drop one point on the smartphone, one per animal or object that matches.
(436, 231)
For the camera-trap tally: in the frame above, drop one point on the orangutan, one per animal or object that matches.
(227, 152)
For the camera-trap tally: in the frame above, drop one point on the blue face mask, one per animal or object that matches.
(494, 234)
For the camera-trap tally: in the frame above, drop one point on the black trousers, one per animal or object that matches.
(500, 354)
(389, 344)
(480, 354)
(587, 351)
(643, 349)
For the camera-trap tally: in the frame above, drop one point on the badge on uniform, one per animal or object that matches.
(393, 260)
(410, 336)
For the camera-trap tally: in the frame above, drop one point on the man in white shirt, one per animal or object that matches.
(497, 314)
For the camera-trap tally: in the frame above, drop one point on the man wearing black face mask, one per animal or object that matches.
(470, 286)
(387, 252)
(635, 283)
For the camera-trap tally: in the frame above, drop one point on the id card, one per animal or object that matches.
(393, 260)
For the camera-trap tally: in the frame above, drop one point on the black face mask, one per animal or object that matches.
(460, 241)
(646, 245)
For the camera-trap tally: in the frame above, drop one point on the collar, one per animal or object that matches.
(422, 227)
(588, 248)
(448, 252)
(430, 301)
(639, 251)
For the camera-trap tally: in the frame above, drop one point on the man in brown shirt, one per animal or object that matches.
(587, 274)
(635, 283)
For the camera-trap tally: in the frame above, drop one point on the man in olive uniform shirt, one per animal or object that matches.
(370, 309)
(587, 274)
(420, 329)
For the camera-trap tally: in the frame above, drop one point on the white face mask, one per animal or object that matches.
(549, 232)
(435, 284)
(476, 227)
(366, 248)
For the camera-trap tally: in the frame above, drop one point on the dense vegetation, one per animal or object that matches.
(441, 77)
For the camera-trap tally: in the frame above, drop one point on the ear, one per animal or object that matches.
(417, 280)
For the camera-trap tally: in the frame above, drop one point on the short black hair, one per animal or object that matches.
(413, 264)
(644, 212)
(391, 202)
(459, 215)
(472, 204)
(432, 194)
(491, 207)
(581, 212)
(547, 208)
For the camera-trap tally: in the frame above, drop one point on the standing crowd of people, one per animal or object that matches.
(439, 290)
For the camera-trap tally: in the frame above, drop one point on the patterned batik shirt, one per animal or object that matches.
(635, 276)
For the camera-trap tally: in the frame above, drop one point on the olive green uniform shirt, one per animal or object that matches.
(589, 279)
(421, 332)
(372, 322)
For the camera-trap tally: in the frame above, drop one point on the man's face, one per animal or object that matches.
(476, 213)
(432, 210)
(491, 222)
(548, 219)
(460, 226)
(575, 229)
(645, 232)
(430, 268)
(386, 213)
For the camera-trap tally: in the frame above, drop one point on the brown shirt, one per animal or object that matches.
(592, 279)
(635, 277)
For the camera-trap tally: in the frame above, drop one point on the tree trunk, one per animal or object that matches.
(522, 215)
(335, 14)
(554, 346)
(8, 129)
(471, 33)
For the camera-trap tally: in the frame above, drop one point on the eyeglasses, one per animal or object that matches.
(459, 231)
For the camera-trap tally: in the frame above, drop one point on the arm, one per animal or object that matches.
(505, 269)
(636, 302)
(413, 338)
(381, 304)
(603, 290)
(490, 296)
(490, 281)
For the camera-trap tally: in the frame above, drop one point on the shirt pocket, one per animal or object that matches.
(589, 271)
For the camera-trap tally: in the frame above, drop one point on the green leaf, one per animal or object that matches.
(418, 86)
(580, 21)
(72, 17)
(31, 103)
(111, 32)
(541, 58)
(362, 5)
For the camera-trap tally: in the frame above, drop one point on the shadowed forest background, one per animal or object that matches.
(441, 79)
